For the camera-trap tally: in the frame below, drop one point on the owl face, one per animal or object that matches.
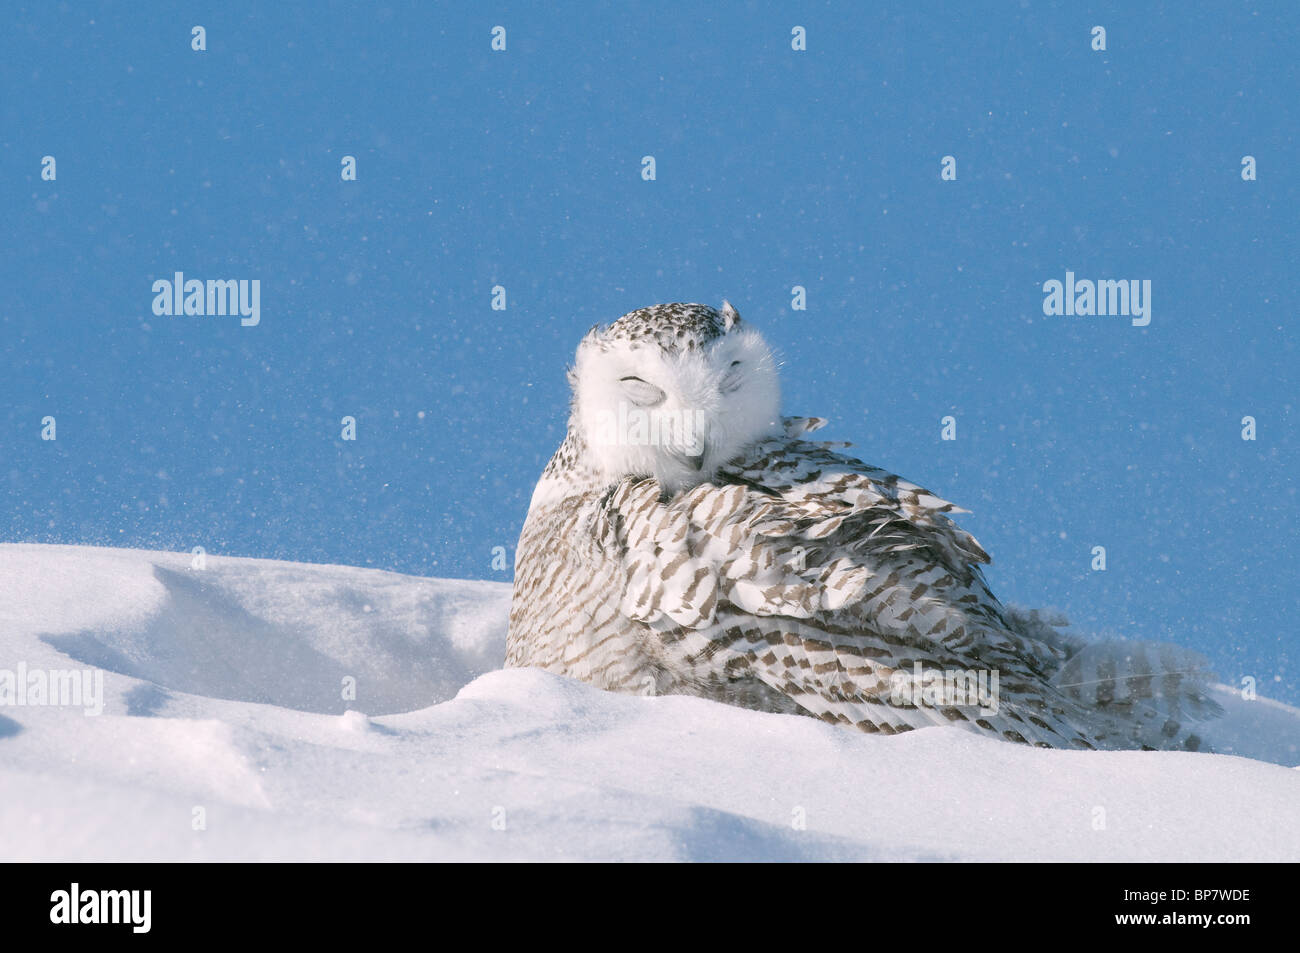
(672, 392)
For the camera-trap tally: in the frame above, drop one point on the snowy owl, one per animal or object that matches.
(687, 539)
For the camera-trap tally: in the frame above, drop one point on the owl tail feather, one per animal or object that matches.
(1144, 694)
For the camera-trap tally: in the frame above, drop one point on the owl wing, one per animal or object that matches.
(829, 581)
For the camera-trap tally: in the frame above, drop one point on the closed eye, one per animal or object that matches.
(731, 381)
(641, 392)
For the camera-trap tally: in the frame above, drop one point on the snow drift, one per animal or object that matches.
(225, 734)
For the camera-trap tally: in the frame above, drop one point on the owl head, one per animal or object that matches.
(672, 392)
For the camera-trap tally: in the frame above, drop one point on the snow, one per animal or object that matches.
(225, 736)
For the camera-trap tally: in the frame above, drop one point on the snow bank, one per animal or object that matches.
(225, 735)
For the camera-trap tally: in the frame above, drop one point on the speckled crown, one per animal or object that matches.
(678, 326)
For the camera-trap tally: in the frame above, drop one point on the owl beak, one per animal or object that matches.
(694, 460)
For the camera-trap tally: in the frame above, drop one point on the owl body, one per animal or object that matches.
(724, 554)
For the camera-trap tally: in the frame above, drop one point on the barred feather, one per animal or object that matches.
(798, 579)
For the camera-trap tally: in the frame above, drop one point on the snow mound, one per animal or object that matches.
(265, 710)
(252, 630)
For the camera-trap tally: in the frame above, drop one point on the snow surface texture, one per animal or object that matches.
(223, 692)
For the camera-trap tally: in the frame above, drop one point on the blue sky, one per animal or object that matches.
(775, 168)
